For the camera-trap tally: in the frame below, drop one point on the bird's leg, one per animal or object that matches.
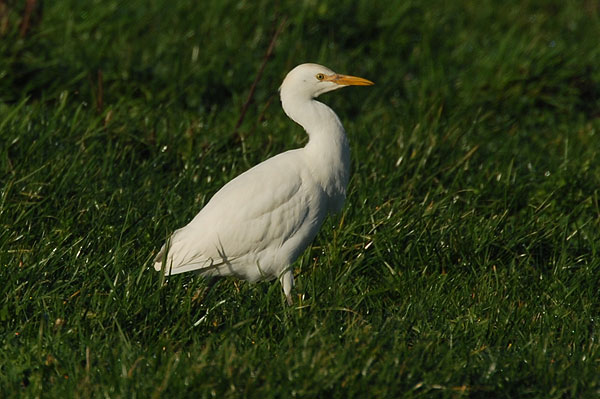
(287, 282)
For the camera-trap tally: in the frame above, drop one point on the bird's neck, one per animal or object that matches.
(327, 150)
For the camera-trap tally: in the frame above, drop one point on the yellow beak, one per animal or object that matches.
(347, 80)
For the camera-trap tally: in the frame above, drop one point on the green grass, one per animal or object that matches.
(465, 263)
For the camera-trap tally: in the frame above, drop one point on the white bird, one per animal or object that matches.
(259, 223)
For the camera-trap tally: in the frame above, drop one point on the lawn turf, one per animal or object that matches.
(465, 262)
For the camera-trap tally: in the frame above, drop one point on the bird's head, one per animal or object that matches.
(312, 80)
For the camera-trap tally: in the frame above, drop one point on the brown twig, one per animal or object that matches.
(29, 7)
(259, 75)
(3, 17)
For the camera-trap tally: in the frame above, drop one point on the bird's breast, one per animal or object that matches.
(329, 163)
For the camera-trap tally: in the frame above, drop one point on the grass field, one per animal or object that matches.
(466, 262)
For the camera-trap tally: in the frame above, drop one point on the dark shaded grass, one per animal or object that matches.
(464, 264)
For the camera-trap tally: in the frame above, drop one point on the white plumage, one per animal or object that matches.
(259, 223)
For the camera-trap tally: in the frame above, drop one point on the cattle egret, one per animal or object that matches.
(259, 223)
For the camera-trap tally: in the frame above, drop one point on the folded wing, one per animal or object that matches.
(247, 222)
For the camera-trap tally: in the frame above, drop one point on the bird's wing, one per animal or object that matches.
(260, 208)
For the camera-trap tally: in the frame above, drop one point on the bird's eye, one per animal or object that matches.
(320, 76)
